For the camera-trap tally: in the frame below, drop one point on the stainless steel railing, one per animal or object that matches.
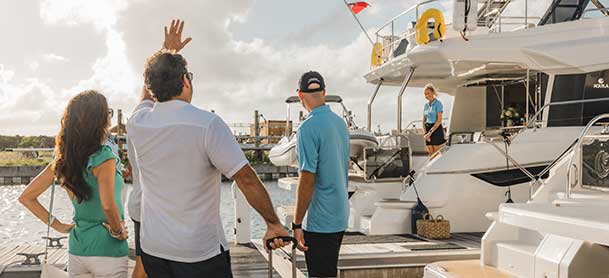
(574, 145)
(577, 146)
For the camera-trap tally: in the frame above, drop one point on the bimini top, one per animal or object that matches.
(329, 98)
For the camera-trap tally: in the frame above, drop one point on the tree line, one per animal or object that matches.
(7, 142)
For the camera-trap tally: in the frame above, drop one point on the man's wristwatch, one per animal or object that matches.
(296, 226)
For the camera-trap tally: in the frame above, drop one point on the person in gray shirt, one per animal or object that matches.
(181, 153)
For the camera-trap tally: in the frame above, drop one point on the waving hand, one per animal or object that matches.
(173, 36)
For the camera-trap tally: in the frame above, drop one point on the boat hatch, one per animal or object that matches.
(510, 177)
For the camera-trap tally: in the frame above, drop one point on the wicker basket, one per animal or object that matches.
(431, 228)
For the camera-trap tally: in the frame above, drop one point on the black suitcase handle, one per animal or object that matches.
(284, 238)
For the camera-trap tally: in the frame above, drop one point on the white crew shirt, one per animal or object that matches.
(181, 152)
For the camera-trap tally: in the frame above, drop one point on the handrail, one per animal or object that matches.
(604, 11)
(577, 146)
(402, 90)
(370, 101)
(417, 121)
(532, 123)
(405, 12)
(574, 145)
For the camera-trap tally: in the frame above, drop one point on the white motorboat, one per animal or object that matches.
(284, 153)
(562, 232)
(359, 139)
(548, 67)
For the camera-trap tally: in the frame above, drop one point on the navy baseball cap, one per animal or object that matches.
(308, 78)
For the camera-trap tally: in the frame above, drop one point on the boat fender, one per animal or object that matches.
(419, 211)
(422, 36)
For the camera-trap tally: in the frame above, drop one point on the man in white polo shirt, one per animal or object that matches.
(182, 152)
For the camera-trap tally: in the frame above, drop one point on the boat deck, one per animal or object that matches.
(246, 261)
(388, 255)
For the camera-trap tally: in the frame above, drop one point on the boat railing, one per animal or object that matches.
(388, 30)
(536, 179)
(602, 11)
(533, 122)
(390, 37)
(577, 146)
(413, 124)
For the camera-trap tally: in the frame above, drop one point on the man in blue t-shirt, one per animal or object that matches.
(323, 159)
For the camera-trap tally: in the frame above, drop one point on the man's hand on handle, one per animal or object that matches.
(273, 231)
(173, 36)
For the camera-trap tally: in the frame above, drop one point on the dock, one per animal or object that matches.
(246, 261)
(360, 256)
(364, 256)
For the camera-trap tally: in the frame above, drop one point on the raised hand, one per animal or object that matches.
(173, 36)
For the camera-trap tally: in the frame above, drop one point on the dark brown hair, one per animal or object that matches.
(84, 128)
(164, 75)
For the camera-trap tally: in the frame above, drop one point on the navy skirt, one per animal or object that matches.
(437, 137)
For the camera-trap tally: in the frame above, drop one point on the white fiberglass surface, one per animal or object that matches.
(532, 147)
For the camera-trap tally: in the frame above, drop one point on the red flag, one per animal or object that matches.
(357, 7)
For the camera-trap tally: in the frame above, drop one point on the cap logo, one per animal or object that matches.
(313, 79)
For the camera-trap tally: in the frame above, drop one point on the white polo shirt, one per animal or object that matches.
(181, 152)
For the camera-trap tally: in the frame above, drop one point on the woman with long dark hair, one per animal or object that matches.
(85, 166)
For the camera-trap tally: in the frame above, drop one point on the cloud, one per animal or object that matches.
(233, 76)
(28, 107)
(101, 13)
(51, 57)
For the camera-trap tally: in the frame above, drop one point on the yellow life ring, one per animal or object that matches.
(376, 58)
(439, 30)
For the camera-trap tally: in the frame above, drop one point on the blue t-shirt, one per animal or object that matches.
(431, 111)
(323, 149)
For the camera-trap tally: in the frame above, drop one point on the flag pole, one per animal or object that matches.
(358, 22)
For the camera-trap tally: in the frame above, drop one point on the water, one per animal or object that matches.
(19, 226)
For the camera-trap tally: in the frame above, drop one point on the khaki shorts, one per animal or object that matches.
(106, 267)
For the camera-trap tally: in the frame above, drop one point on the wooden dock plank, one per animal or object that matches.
(250, 262)
(247, 262)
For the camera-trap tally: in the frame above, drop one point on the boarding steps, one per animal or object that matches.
(490, 12)
(563, 11)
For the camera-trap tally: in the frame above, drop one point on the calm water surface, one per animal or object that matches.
(19, 226)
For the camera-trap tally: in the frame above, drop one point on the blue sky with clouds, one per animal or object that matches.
(245, 55)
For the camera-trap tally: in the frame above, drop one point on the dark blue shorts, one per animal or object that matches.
(138, 247)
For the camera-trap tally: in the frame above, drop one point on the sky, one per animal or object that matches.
(246, 55)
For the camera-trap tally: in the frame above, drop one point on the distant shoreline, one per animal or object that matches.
(23, 174)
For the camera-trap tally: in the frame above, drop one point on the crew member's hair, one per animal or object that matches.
(431, 88)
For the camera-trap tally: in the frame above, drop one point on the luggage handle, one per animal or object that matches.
(270, 250)
(284, 238)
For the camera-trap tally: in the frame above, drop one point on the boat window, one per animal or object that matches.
(512, 97)
(577, 87)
